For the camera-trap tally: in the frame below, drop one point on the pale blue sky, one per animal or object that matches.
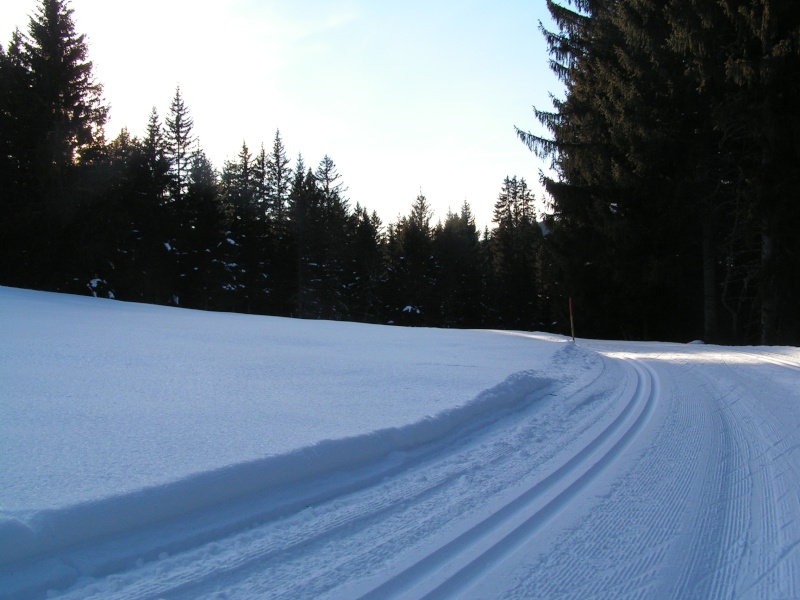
(419, 94)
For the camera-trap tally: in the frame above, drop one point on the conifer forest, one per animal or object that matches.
(673, 196)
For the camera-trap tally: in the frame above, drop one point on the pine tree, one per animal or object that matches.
(156, 164)
(240, 182)
(243, 184)
(366, 272)
(278, 181)
(277, 186)
(582, 212)
(627, 208)
(145, 272)
(259, 179)
(69, 112)
(206, 254)
(180, 141)
(332, 223)
(515, 244)
(305, 203)
(459, 270)
(51, 119)
(412, 268)
(17, 163)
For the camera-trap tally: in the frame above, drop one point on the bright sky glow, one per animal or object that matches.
(403, 96)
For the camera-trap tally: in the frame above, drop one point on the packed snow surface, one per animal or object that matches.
(153, 452)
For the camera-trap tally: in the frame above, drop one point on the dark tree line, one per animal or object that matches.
(676, 152)
(675, 195)
(148, 218)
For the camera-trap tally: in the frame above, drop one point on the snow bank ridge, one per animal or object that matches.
(46, 532)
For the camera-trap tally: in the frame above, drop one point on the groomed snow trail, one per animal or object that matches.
(641, 471)
(708, 506)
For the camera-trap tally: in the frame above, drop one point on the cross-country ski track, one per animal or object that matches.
(630, 470)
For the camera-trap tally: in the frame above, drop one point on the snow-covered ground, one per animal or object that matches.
(153, 452)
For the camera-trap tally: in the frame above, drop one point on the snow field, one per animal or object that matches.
(115, 417)
(158, 453)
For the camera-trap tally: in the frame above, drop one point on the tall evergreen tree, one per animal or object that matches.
(243, 187)
(676, 158)
(305, 204)
(332, 239)
(366, 266)
(460, 273)
(156, 164)
(278, 177)
(17, 163)
(628, 208)
(259, 178)
(240, 181)
(52, 117)
(69, 113)
(412, 268)
(149, 268)
(206, 274)
(278, 180)
(180, 141)
(515, 248)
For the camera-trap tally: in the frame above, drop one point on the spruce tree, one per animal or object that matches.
(240, 183)
(278, 181)
(243, 186)
(69, 113)
(51, 119)
(366, 266)
(627, 213)
(305, 202)
(180, 141)
(156, 164)
(460, 274)
(207, 275)
(259, 179)
(412, 268)
(17, 163)
(515, 244)
(331, 226)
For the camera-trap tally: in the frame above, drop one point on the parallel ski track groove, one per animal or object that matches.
(405, 531)
(475, 553)
(630, 543)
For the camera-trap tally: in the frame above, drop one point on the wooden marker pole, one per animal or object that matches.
(571, 320)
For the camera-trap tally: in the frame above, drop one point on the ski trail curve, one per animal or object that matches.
(709, 508)
(746, 530)
(765, 505)
(464, 559)
(658, 472)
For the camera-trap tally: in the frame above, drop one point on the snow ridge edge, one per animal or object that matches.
(47, 532)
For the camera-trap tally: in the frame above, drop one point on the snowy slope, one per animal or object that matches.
(149, 452)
